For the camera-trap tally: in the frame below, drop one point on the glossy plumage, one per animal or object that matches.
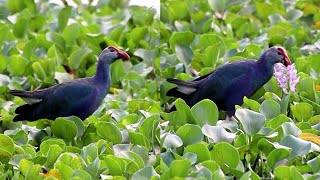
(80, 97)
(228, 84)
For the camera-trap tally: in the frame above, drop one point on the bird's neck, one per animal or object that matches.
(102, 75)
(266, 70)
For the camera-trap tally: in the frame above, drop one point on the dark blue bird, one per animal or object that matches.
(228, 84)
(80, 97)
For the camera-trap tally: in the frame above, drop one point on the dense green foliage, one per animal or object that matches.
(130, 136)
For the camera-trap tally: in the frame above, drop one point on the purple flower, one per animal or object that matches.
(287, 77)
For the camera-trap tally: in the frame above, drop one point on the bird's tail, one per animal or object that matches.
(24, 112)
(184, 90)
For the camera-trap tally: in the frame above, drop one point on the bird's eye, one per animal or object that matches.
(279, 53)
(111, 50)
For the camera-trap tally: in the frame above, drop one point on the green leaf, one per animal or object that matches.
(24, 165)
(39, 70)
(145, 173)
(290, 128)
(285, 172)
(270, 109)
(218, 5)
(65, 129)
(109, 132)
(205, 112)
(57, 39)
(63, 17)
(225, 154)
(17, 65)
(252, 104)
(77, 57)
(200, 150)
(116, 165)
(33, 173)
(277, 155)
(218, 133)
(20, 27)
(81, 174)
(184, 54)
(139, 139)
(181, 38)
(45, 145)
(172, 141)
(299, 147)
(52, 155)
(251, 121)
(302, 111)
(190, 134)
(180, 168)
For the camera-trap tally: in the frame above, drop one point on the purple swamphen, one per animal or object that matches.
(228, 84)
(80, 97)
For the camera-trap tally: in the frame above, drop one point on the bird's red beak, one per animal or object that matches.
(285, 61)
(123, 55)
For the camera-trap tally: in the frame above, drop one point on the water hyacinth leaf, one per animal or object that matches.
(270, 109)
(65, 129)
(183, 114)
(45, 145)
(252, 104)
(145, 173)
(277, 155)
(219, 155)
(109, 132)
(250, 175)
(205, 112)
(190, 134)
(66, 171)
(285, 172)
(89, 153)
(251, 121)
(139, 139)
(63, 17)
(201, 150)
(17, 65)
(24, 165)
(314, 163)
(211, 165)
(93, 168)
(299, 147)
(6, 143)
(77, 57)
(302, 111)
(217, 134)
(180, 168)
(79, 123)
(191, 157)
(115, 164)
(310, 137)
(149, 126)
(136, 158)
(52, 155)
(289, 128)
(57, 39)
(81, 174)
(184, 54)
(5, 156)
(33, 173)
(278, 121)
(182, 38)
(172, 141)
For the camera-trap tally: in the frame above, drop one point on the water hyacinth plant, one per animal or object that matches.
(287, 77)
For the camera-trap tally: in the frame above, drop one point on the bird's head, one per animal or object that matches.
(276, 55)
(111, 54)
